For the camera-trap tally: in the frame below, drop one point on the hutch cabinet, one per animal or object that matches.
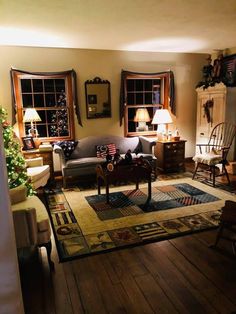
(215, 104)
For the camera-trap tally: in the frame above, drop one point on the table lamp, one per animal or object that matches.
(32, 116)
(162, 118)
(142, 116)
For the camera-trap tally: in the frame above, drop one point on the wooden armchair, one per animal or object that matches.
(214, 153)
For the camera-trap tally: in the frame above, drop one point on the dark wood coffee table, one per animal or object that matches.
(129, 173)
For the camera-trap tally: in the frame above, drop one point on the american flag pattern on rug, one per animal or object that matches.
(132, 202)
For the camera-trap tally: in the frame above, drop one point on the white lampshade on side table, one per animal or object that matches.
(162, 118)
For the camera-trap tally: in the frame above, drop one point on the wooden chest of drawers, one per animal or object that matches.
(46, 155)
(170, 155)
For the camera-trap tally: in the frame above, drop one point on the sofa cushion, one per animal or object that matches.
(84, 162)
(86, 147)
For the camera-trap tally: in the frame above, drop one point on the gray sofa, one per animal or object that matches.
(83, 160)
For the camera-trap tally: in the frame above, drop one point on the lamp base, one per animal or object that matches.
(33, 132)
(142, 126)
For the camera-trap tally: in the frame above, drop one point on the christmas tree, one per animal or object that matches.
(16, 167)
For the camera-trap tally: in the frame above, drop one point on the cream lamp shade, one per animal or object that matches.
(142, 116)
(32, 116)
(162, 118)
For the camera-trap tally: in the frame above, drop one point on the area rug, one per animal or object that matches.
(79, 231)
(133, 202)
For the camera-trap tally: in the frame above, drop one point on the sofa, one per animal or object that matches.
(83, 160)
(31, 222)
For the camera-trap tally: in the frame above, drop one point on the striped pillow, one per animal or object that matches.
(112, 148)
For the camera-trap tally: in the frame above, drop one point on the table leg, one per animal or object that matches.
(145, 208)
(149, 188)
(107, 192)
(99, 186)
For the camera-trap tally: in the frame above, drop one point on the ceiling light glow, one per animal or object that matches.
(166, 45)
(23, 37)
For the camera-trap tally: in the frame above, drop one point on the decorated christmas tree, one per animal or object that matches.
(16, 167)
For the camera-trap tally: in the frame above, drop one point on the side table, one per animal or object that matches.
(170, 155)
(46, 155)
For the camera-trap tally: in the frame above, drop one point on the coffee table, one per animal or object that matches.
(132, 172)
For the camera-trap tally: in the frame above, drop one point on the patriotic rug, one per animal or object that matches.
(84, 224)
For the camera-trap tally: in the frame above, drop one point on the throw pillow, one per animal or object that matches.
(102, 150)
(67, 146)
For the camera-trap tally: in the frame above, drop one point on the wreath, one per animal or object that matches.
(209, 104)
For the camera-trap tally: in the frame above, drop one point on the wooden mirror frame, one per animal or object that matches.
(94, 100)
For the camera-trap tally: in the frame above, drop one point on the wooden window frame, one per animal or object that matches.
(17, 75)
(164, 103)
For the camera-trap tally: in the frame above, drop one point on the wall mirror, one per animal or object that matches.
(98, 98)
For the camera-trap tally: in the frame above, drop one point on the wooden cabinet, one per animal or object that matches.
(222, 109)
(148, 91)
(46, 155)
(170, 155)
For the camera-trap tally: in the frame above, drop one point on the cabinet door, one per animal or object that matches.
(218, 110)
(203, 127)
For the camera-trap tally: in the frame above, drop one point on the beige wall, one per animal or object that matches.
(108, 65)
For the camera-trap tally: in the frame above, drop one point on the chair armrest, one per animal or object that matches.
(147, 144)
(34, 162)
(58, 150)
(25, 225)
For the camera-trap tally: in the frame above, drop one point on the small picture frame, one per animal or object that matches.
(28, 143)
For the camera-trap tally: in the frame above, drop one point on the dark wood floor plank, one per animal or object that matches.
(61, 293)
(47, 289)
(90, 295)
(214, 266)
(112, 302)
(72, 288)
(224, 247)
(198, 280)
(133, 265)
(149, 262)
(155, 295)
(110, 270)
(137, 299)
(193, 300)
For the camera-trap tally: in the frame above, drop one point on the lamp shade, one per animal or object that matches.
(142, 115)
(31, 115)
(162, 116)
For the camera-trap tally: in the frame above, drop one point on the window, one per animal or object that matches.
(148, 91)
(52, 96)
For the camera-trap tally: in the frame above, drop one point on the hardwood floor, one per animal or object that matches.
(181, 275)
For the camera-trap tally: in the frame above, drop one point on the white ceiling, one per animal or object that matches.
(133, 25)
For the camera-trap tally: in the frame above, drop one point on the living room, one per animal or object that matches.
(107, 61)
